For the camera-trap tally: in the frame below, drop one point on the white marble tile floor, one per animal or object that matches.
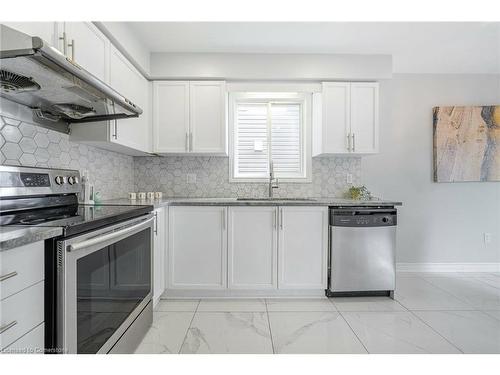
(431, 313)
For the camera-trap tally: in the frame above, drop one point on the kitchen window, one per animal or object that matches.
(270, 128)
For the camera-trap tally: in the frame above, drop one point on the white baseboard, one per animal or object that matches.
(448, 267)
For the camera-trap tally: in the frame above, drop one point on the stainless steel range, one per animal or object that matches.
(98, 273)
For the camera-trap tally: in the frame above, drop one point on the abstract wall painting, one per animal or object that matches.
(466, 143)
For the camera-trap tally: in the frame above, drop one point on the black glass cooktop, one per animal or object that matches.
(74, 219)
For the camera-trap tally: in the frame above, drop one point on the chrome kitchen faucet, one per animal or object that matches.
(273, 182)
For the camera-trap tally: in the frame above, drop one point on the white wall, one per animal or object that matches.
(439, 222)
(123, 37)
(276, 67)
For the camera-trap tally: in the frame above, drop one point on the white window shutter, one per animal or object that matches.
(251, 140)
(268, 129)
(286, 140)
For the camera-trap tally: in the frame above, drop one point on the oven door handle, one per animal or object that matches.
(112, 236)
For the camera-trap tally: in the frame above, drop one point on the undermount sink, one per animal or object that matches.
(276, 199)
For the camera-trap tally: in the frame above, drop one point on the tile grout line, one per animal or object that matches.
(447, 292)
(485, 283)
(438, 333)
(269, 324)
(190, 323)
(352, 330)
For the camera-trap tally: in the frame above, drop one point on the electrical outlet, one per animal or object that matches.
(487, 238)
(349, 178)
(191, 178)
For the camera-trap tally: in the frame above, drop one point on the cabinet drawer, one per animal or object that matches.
(31, 343)
(22, 311)
(21, 267)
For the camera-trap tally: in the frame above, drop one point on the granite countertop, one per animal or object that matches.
(177, 201)
(12, 236)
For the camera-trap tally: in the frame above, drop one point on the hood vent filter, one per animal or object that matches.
(13, 83)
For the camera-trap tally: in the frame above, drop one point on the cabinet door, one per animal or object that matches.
(170, 116)
(89, 48)
(197, 247)
(207, 116)
(128, 81)
(159, 247)
(364, 117)
(303, 246)
(252, 248)
(48, 31)
(336, 117)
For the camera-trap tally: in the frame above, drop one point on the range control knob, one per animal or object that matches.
(385, 219)
(72, 180)
(60, 180)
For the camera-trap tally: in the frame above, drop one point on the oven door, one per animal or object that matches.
(104, 282)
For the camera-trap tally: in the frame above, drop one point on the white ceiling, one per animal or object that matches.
(416, 47)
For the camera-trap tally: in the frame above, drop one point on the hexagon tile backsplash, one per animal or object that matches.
(22, 143)
(169, 175)
(114, 174)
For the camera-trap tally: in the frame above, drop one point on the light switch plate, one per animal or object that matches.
(487, 238)
(349, 178)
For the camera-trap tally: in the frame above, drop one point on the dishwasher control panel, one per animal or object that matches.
(364, 217)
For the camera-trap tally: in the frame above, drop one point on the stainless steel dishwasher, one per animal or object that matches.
(362, 251)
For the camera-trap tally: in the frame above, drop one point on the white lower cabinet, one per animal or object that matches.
(262, 249)
(22, 299)
(197, 251)
(20, 313)
(159, 253)
(303, 246)
(31, 343)
(252, 248)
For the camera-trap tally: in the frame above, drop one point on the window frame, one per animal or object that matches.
(305, 101)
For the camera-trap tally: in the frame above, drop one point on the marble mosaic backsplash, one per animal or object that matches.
(114, 174)
(22, 143)
(169, 175)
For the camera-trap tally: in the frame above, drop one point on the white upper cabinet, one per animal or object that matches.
(364, 117)
(189, 117)
(130, 136)
(207, 117)
(88, 47)
(349, 119)
(303, 247)
(48, 31)
(128, 81)
(252, 248)
(170, 116)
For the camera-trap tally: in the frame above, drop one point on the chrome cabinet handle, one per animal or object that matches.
(274, 219)
(156, 223)
(223, 219)
(349, 142)
(65, 47)
(8, 276)
(281, 218)
(72, 45)
(7, 326)
(187, 141)
(109, 236)
(353, 143)
(190, 141)
(116, 130)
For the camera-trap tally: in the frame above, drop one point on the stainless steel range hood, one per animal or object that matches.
(58, 90)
